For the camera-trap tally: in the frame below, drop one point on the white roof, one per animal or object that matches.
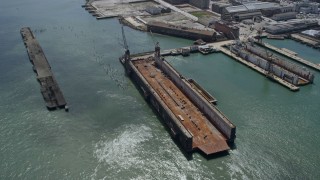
(251, 6)
(310, 32)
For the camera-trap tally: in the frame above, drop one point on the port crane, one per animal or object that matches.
(270, 64)
(260, 35)
(126, 56)
(126, 47)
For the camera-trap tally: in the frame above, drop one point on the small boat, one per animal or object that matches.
(194, 48)
(175, 53)
(206, 49)
(199, 42)
(185, 52)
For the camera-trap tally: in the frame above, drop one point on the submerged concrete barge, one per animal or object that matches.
(189, 116)
(50, 90)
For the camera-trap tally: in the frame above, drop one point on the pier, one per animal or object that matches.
(50, 90)
(182, 104)
(305, 40)
(290, 55)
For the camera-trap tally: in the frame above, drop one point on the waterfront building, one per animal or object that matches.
(306, 7)
(250, 10)
(286, 27)
(202, 4)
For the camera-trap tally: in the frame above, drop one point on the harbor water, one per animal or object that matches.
(110, 132)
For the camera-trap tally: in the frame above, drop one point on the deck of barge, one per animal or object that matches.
(49, 87)
(206, 137)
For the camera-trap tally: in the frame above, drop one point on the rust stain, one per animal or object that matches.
(205, 137)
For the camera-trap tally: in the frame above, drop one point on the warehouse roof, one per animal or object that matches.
(251, 6)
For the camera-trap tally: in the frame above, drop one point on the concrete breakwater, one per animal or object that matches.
(50, 90)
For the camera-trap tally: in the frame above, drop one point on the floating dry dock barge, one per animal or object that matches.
(290, 55)
(259, 67)
(189, 116)
(50, 90)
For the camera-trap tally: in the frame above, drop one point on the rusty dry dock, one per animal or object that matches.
(189, 115)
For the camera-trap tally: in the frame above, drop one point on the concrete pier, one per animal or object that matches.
(305, 40)
(50, 90)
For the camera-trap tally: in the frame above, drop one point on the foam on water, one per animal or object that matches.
(121, 150)
(134, 152)
(111, 132)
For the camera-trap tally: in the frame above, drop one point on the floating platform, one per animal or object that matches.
(290, 55)
(279, 37)
(289, 51)
(189, 116)
(50, 90)
(259, 69)
(288, 68)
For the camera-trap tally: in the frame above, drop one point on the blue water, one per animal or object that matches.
(111, 132)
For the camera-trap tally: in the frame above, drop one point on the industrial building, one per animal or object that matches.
(281, 28)
(202, 4)
(176, 1)
(284, 16)
(312, 33)
(182, 31)
(240, 2)
(250, 10)
(155, 10)
(218, 7)
(306, 7)
(229, 30)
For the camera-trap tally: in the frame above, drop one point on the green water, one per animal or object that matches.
(303, 50)
(111, 132)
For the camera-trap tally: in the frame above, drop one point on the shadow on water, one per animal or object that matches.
(217, 155)
(213, 156)
(232, 146)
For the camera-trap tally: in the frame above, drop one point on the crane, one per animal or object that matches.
(126, 47)
(126, 56)
(269, 64)
(156, 45)
(260, 35)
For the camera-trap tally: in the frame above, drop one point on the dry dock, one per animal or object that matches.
(50, 90)
(258, 69)
(291, 56)
(190, 118)
(305, 40)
